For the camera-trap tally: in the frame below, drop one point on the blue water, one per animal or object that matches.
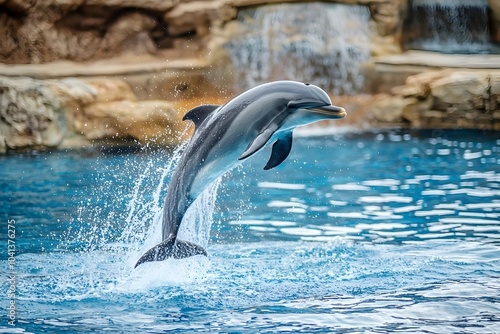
(354, 233)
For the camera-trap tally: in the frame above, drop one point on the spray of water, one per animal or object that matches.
(142, 212)
(320, 43)
(105, 243)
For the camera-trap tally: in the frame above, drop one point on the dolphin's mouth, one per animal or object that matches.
(332, 111)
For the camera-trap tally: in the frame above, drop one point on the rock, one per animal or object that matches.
(108, 90)
(461, 90)
(73, 112)
(29, 114)
(383, 45)
(418, 85)
(149, 122)
(386, 15)
(198, 16)
(129, 33)
(443, 99)
(19, 6)
(154, 5)
(495, 91)
(388, 109)
(76, 30)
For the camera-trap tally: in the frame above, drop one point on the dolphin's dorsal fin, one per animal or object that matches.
(198, 114)
(259, 141)
(281, 150)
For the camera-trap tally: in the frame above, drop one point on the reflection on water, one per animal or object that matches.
(390, 188)
(354, 233)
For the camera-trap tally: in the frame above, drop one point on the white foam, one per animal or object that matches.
(473, 221)
(285, 186)
(340, 230)
(150, 275)
(303, 231)
(385, 198)
(350, 186)
(284, 204)
(434, 213)
(408, 208)
(478, 175)
(381, 226)
(492, 205)
(442, 227)
(338, 203)
(382, 183)
(262, 228)
(433, 192)
(472, 155)
(476, 192)
(346, 215)
(383, 215)
(394, 234)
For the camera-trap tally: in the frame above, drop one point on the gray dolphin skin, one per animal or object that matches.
(227, 135)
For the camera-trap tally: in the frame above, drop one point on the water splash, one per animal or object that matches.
(459, 26)
(99, 218)
(320, 43)
(200, 216)
(106, 242)
(143, 213)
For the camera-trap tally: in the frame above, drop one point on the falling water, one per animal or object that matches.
(320, 43)
(459, 26)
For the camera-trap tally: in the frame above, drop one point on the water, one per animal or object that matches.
(323, 44)
(355, 233)
(459, 26)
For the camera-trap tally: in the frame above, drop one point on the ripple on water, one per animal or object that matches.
(351, 243)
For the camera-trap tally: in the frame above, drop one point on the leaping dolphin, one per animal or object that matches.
(225, 136)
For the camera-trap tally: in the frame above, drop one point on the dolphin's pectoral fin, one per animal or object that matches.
(171, 248)
(198, 114)
(258, 142)
(281, 150)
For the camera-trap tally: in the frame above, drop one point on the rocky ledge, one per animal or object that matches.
(77, 112)
(451, 98)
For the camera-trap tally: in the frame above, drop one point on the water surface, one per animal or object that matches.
(357, 233)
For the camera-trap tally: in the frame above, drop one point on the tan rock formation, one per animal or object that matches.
(39, 31)
(198, 16)
(443, 99)
(148, 122)
(463, 91)
(73, 112)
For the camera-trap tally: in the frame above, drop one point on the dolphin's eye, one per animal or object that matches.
(307, 84)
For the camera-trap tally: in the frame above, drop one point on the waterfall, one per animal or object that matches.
(319, 43)
(459, 26)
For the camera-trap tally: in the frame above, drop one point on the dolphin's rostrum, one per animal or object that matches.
(225, 136)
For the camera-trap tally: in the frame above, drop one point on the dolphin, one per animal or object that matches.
(224, 137)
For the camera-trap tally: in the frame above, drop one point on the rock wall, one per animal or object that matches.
(442, 99)
(75, 113)
(38, 31)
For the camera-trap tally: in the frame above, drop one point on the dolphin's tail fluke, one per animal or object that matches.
(171, 248)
